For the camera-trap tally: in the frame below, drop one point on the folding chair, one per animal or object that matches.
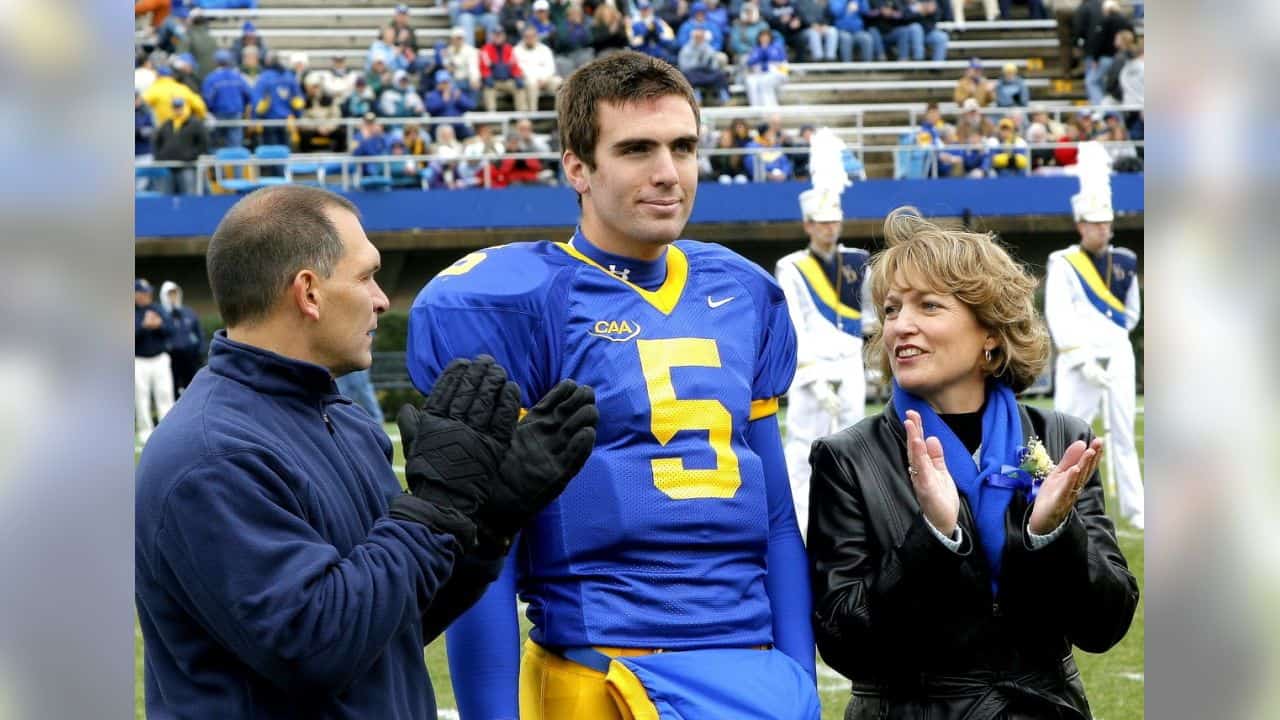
(242, 178)
(273, 152)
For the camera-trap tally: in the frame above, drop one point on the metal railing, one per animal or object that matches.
(1056, 110)
(931, 155)
(479, 167)
(371, 12)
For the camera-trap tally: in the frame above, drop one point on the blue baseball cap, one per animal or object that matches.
(402, 9)
(698, 7)
(248, 26)
(975, 63)
(141, 285)
(443, 76)
(223, 56)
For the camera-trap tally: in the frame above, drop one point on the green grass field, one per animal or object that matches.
(1114, 680)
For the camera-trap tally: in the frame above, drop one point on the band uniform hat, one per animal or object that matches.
(1092, 207)
(821, 205)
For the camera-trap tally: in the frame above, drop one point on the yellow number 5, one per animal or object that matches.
(671, 415)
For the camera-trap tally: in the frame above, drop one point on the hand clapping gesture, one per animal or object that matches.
(935, 489)
(1059, 492)
(940, 499)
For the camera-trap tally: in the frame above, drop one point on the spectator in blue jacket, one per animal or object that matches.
(650, 34)
(719, 15)
(698, 20)
(770, 163)
(276, 96)
(1011, 90)
(227, 94)
(766, 70)
(977, 156)
(447, 100)
(152, 379)
(853, 32)
(186, 340)
(373, 143)
(279, 568)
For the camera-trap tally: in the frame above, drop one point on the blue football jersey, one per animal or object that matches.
(661, 539)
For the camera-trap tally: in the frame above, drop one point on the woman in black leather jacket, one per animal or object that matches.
(958, 541)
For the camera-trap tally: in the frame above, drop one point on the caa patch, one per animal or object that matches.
(616, 330)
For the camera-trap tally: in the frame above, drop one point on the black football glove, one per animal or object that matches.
(549, 447)
(455, 445)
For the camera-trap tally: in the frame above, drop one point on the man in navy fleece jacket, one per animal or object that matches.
(280, 570)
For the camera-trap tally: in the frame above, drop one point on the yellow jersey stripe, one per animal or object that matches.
(664, 299)
(763, 408)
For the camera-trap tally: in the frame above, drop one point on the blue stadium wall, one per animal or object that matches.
(752, 203)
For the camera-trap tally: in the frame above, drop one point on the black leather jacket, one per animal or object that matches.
(914, 625)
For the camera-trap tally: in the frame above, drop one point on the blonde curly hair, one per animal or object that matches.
(979, 272)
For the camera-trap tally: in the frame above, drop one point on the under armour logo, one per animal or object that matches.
(620, 274)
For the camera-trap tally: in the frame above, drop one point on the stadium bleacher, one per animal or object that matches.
(873, 103)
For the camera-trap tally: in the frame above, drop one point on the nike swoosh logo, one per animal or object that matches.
(713, 304)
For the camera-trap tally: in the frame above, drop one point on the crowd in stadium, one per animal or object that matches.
(194, 97)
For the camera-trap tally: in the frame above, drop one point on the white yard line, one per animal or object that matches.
(1130, 534)
(1136, 677)
(447, 714)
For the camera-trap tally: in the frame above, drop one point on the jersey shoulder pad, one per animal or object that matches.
(1117, 250)
(713, 257)
(517, 276)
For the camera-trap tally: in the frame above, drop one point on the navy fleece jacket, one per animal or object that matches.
(270, 582)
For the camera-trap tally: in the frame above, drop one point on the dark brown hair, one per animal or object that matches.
(619, 78)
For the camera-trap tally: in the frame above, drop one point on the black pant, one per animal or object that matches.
(183, 364)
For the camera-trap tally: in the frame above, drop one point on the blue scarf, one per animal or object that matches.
(990, 484)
